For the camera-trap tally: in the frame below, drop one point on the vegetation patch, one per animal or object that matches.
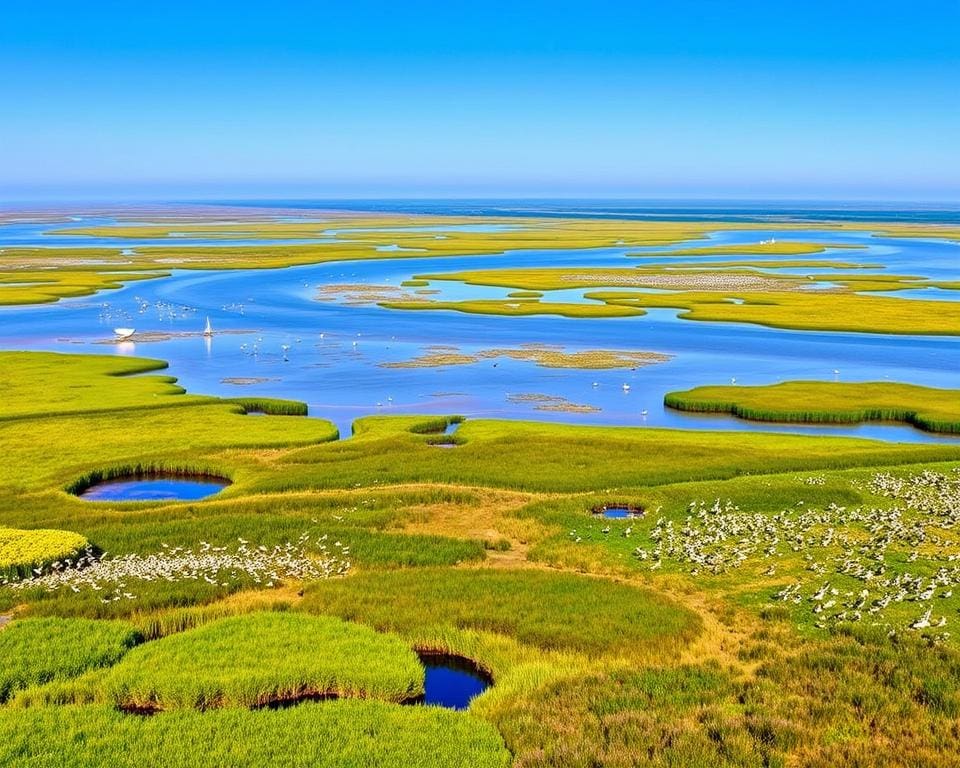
(330, 735)
(362, 293)
(25, 553)
(546, 610)
(536, 456)
(270, 406)
(822, 402)
(553, 403)
(839, 302)
(98, 414)
(543, 356)
(39, 651)
(263, 659)
(73, 384)
(771, 247)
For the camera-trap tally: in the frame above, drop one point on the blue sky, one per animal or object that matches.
(743, 99)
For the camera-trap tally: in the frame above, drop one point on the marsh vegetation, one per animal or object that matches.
(638, 596)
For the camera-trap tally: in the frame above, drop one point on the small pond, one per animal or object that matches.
(444, 439)
(155, 488)
(451, 681)
(618, 511)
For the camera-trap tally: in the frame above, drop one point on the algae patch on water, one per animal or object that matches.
(541, 355)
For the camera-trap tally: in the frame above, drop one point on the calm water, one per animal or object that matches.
(617, 513)
(647, 210)
(451, 682)
(153, 489)
(273, 338)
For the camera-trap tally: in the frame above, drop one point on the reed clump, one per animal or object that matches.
(270, 406)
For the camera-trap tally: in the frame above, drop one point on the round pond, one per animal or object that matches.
(155, 488)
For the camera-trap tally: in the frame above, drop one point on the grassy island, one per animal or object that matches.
(821, 402)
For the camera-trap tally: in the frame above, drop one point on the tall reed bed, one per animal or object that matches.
(270, 406)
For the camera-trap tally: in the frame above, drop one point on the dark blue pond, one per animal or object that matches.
(451, 681)
(154, 489)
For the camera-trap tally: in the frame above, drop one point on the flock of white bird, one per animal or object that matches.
(164, 311)
(114, 577)
(877, 564)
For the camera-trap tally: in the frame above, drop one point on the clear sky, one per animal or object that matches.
(829, 99)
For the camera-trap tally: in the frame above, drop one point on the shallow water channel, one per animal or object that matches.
(273, 338)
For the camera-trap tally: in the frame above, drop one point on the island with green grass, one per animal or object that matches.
(824, 402)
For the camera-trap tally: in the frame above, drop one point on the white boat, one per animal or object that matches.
(208, 329)
(124, 333)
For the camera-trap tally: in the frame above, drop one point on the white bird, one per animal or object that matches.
(923, 622)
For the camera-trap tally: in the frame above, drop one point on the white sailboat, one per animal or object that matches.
(124, 333)
(208, 329)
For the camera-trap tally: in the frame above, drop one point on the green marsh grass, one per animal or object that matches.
(33, 275)
(265, 658)
(781, 248)
(822, 402)
(37, 384)
(270, 406)
(541, 457)
(763, 298)
(597, 659)
(551, 611)
(38, 651)
(333, 734)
